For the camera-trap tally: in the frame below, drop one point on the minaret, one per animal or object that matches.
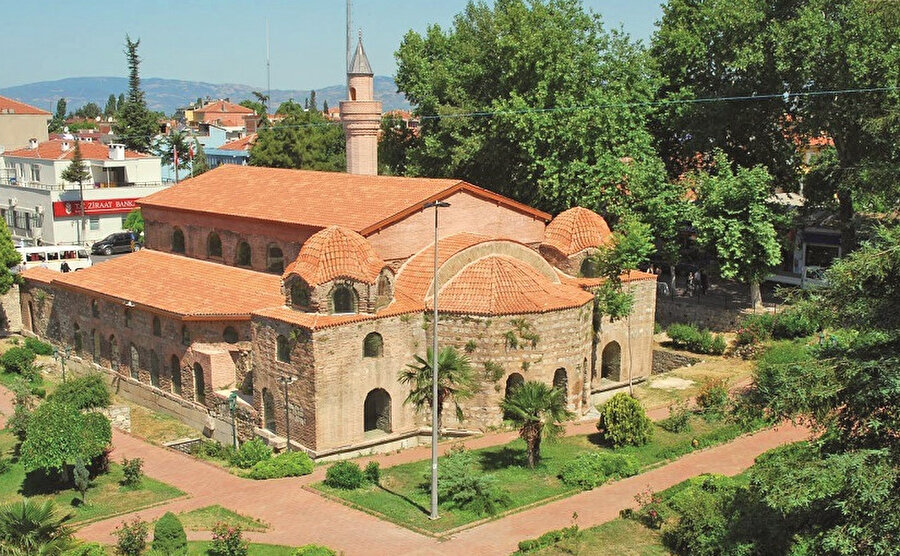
(361, 116)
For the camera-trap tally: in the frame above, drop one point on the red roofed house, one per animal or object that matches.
(237, 120)
(20, 122)
(260, 281)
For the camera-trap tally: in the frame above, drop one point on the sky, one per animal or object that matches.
(225, 41)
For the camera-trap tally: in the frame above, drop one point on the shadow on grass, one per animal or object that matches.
(40, 482)
(407, 499)
(492, 460)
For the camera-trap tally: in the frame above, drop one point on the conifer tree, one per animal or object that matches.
(76, 172)
(136, 125)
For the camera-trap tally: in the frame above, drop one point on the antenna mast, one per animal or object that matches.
(349, 27)
(268, 72)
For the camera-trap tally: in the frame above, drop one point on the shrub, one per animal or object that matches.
(651, 511)
(18, 423)
(795, 322)
(679, 419)
(461, 486)
(756, 328)
(20, 361)
(210, 449)
(132, 537)
(228, 541)
(345, 475)
(591, 469)
(5, 465)
(39, 392)
(168, 536)
(250, 453)
(704, 508)
(713, 399)
(38, 347)
(286, 464)
(84, 392)
(314, 550)
(132, 472)
(548, 539)
(623, 422)
(689, 337)
(373, 472)
(87, 549)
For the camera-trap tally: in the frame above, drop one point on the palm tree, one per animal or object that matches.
(29, 528)
(538, 410)
(455, 381)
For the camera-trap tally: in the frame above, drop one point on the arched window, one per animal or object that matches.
(230, 335)
(352, 93)
(76, 338)
(175, 370)
(177, 241)
(268, 407)
(243, 254)
(299, 294)
(377, 411)
(274, 259)
(611, 362)
(213, 245)
(514, 381)
(154, 369)
(127, 318)
(561, 380)
(95, 309)
(283, 349)
(384, 286)
(185, 336)
(343, 300)
(373, 345)
(135, 361)
(157, 327)
(113, 353)
(199, 386)
(95, 345)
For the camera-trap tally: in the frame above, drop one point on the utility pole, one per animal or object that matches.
(349, 27)
(268, 72)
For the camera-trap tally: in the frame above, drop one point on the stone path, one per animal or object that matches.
(297, 516)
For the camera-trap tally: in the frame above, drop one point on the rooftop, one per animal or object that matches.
(10, 106)
(336, 252)
(575, 230)
(242, 144)
(52, 150)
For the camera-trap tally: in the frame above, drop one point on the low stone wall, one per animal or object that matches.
(119, 416)
(665, 361)
(715, 317)
(11, 311)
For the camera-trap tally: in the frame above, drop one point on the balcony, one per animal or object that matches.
(74, 186)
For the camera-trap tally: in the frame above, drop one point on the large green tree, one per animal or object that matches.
(302, 140)
(59, 117)
(456, 381)
(534, 99)
(393, 147)
(538, 411)
(58, 434)
(175, 145)
(110, 108)
(136, 125)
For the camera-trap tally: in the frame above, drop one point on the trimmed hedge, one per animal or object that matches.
(314, 550)
(548, 539)
(624, 422)
(689, 337)
(169, 536)
(285, 464)
(592, 469)
(345, 475)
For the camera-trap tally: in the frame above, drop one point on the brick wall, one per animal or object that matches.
(718, 318)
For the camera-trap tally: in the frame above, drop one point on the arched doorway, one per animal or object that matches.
(199, 388)
(154, 369)
(113, 353)
(561, 381)
(176, 375)
(377, 411)
(512, 383)
(268, 402)
(135, 362)
(611, 362)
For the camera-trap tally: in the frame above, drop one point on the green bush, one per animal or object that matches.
(39, 392)
(285, 464)
(461, 486)
(713, 399)
(373, 472)
(314, 550)
(168, 536)
(210, 449)
(87, 549)
(679, 419)
(794, 322)
(345, 475)
(548, 539)
(38, 347)
(689, 337)
(18, 360)
(755, 329)
(131, 538)
(591, 469)
(250, 453)
(132, 472)
(703, 508)
(228, 541)
(623, 422)
(84, 392)
(5, 465)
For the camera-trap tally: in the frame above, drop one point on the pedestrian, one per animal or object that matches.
(64, 267)
(689, 291)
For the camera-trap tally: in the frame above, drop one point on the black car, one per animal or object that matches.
(123, 242)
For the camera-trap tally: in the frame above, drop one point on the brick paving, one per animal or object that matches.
(297, 516)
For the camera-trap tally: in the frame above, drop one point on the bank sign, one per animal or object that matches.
(104, 206)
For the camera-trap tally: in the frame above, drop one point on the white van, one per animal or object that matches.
(53, 257)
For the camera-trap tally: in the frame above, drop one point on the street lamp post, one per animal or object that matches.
(62, 356)
(232, 407)
(434, 368)
(285, 381)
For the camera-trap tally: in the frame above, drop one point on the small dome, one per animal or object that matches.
(501, 285)
(575, 230)
(336, 252)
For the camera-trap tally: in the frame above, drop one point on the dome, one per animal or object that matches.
(336, 252)
(575, 230)
(501, 285)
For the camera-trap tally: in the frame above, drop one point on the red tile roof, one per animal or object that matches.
(10, 106)
(575, 230)
(501, 285)
(184, 287)
(416, 275)
(52, 150)
(223, 113)
(242, 144)
(336, 252)
(40, 274)
(363, 204)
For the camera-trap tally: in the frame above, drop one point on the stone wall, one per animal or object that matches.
(630, 338)
(119, 416)
(716, 317)
(11, 310)
(665, 361)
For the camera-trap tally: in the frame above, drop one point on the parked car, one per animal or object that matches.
(122, 242)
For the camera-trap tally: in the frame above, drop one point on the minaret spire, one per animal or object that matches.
(361, 115)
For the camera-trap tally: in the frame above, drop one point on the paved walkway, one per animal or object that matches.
(297, 516)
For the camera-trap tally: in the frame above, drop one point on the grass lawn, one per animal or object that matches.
(402, 498)
(156, 428)
(204, 519)
(200, 548)
(623, 537)
(105, 497)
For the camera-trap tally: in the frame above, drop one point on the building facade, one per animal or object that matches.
(19, 123)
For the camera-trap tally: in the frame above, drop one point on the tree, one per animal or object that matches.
(82, 478)
(168, 536)
(120, 103)
(455, 381)
(174, 147)
(538, 410)
(324, 106)
(110, 108)
(77, 172)
(29, 527)
(302, 140)
(200, 165)
(9, 258)
(59, 117)
(629, 248)
(736, 222)
(136, 125)
(568, 103)
(90, 111)
(312, 100)
(393, 147)
(134, 222)
(59, 434)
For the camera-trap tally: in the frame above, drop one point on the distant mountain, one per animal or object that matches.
(168, 94)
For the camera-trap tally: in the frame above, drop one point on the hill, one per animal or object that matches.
(168, 94)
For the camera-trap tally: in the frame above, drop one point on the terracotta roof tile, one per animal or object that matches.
(587, 283)
(417, 274)
(52, 150)
(336, 252)
(40, 274)
(10, 106)
(501, 285)
(242, 144)
(575, 230)
(179, 285)
(223, 107)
